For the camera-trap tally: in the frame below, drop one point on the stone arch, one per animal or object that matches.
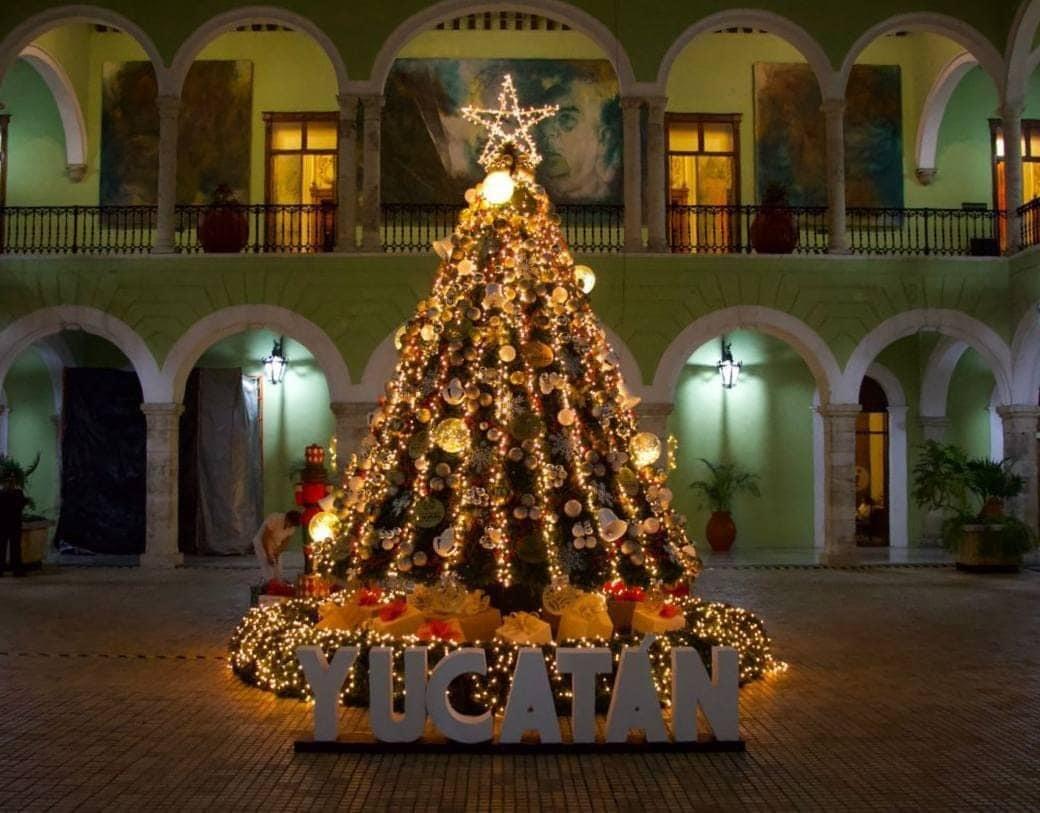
(1022, 58)
(813, 350)
(228, 321)
(248, 15)
(776, 24)
(25, 32)
(576, 18)
(29, 329)
(966, 36)
(934, 110)
(1025, 350)
(940, 320)
(938, 372)
(69, 108)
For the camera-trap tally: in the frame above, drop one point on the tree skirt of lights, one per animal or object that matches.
(263, 652)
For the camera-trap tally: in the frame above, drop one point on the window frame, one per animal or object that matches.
(1029, 127)
(304, 118)
(700, 119)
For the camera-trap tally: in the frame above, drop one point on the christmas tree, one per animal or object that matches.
(506, 450)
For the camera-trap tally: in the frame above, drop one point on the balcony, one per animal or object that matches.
(589, 229)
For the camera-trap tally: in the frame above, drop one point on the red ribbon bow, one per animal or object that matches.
(393, 610)
(369, 596)
(621, 592)
(669, 611)
(436, 628)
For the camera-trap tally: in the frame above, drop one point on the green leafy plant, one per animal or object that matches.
(14, 473)
(724, 482)
(972, 490)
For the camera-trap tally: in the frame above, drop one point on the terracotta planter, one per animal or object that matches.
(34, 541)
(993, 508)
(223, 230)
(720, 531)
(970, 557)
(774, 231)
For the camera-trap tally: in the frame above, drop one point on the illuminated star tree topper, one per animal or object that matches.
(509, 127)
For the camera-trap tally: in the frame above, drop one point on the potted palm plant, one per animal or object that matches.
(34, 526)
(724, 482)
(774, 229)
(972, 492)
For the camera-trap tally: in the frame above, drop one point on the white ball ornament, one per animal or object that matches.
(444, 543)
(572, 508)
(645, 448)
(651, 525)
(498, 187)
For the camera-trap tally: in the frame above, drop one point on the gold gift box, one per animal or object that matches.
(525, 628)
(332, 616)
(407, 623)
(478, 626)
(648, 618)
(586, 618)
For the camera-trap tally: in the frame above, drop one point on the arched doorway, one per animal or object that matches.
(873, 481)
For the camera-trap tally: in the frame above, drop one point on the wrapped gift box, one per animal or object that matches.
(526, 629)
(397, 618)
(659, 618)
(332, 616)
(586, 618)
(440, 629)
(622, 602)
(479, 626)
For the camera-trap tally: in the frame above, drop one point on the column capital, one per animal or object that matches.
(936, 421)
(839, 410)
(372, 102)
(162, 410)
(632, 103)
(658, 409)
(1018, 411)
(925, 175)
(656, 106)
(833, 107)
(1012, 109)
(169, 105)
(352, 409)
(348, 104)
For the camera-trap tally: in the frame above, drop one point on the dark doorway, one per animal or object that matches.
(872, 486)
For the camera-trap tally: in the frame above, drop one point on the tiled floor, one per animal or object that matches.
(909, 688)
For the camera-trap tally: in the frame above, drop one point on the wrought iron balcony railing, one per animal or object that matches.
(1029, 218)
(589, 228)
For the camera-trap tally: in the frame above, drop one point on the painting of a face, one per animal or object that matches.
(790, 147)
(430, 152)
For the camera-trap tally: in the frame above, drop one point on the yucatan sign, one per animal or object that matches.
(530, 707)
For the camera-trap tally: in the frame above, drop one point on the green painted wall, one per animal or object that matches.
(971, 389)
(764, 424)
(295, 412)
(31, 429)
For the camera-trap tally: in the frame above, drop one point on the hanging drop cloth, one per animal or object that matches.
(103, 462)
(221, 481)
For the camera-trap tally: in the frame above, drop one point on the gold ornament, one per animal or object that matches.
(560, 295)
(572, 508)
(537, 354)
(453, 393)
(645, 448)
(429, 512)
(323, 526)
(452, 435)
(566, 416)
(585, 277)
(399, 336)
(507, 353)
(466, 266)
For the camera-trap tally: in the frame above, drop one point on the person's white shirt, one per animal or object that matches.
(275, 529)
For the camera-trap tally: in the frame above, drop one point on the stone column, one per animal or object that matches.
(351, 429)
(161, 482)
(371, 216)
(4, 415)
(839, 472)
(654, 418)
(633, 177)
(166, 191)
(1020, 424)
(834, 119)
(1011, 127)
(933, 427)
(346, 175)
(656, 175)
